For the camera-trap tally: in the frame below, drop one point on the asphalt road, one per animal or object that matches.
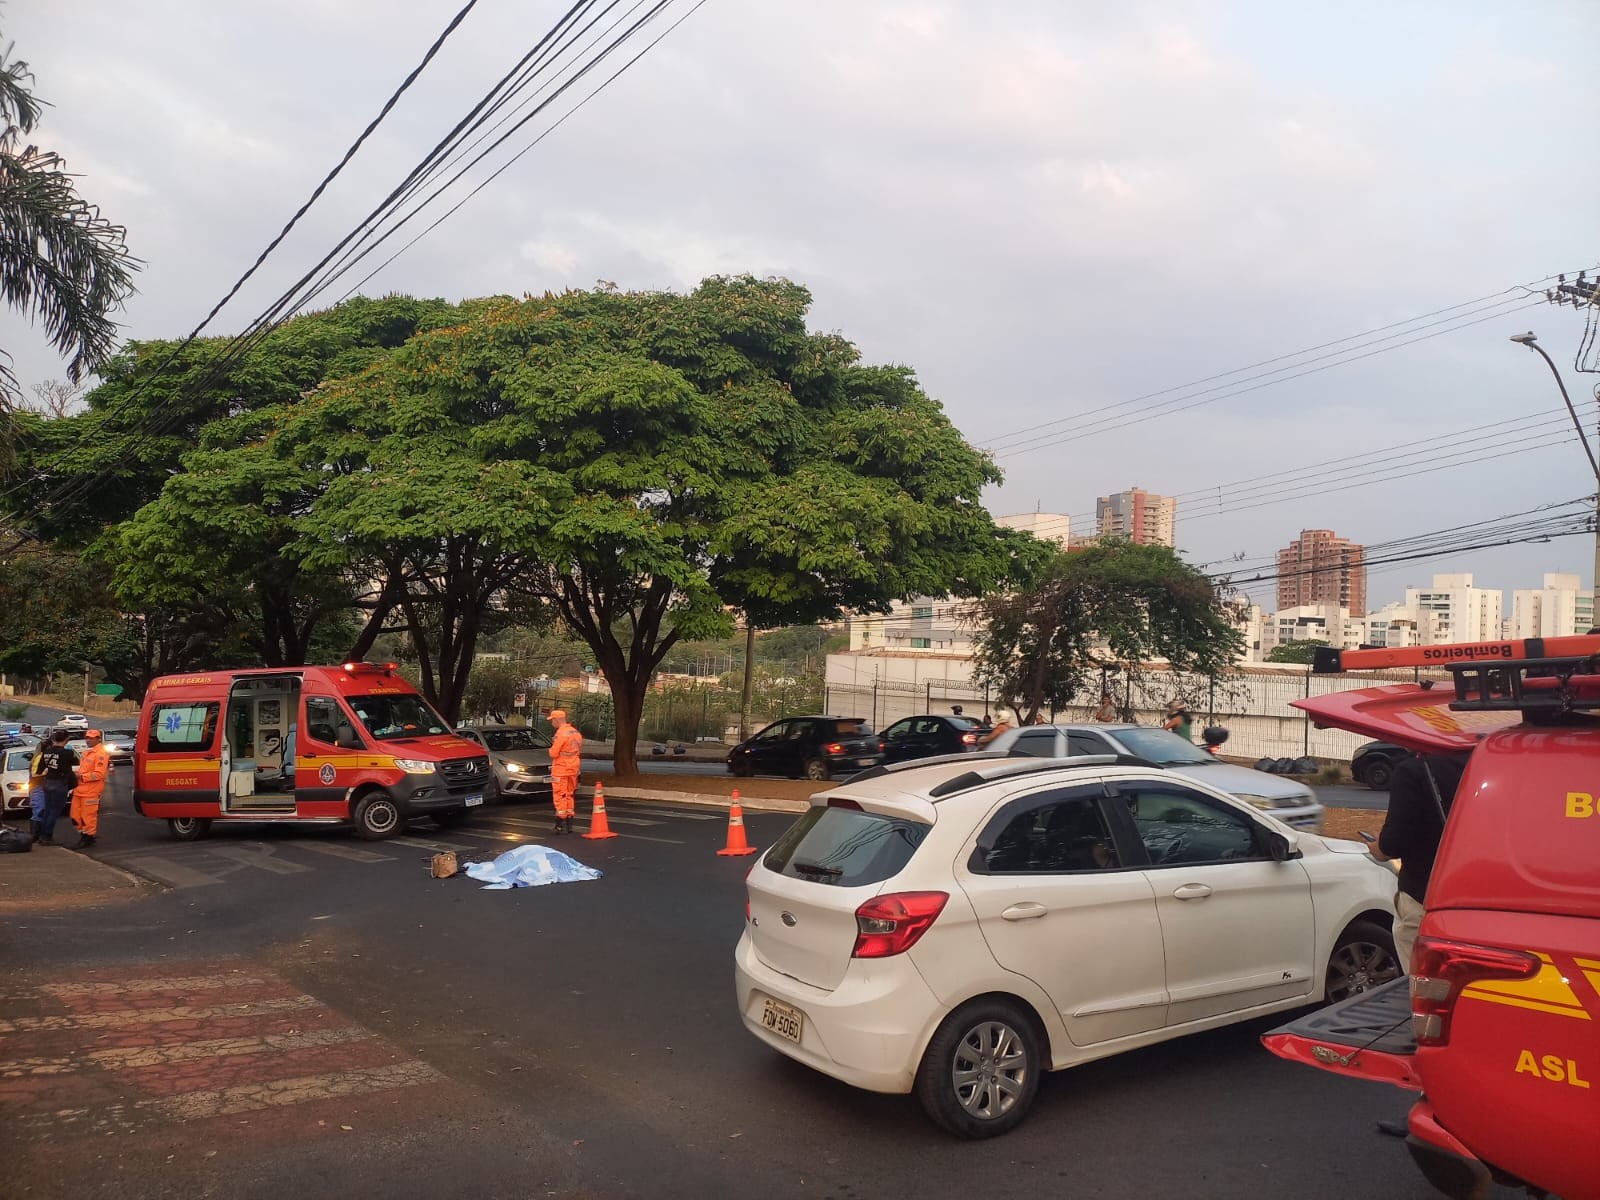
(576, 1040)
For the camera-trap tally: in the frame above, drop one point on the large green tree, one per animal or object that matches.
(1115, 602)
(62, 263)
(169, 481)
(646, 464)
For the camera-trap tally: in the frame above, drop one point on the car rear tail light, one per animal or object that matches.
(969, 739)
(833, 748)
(892, 924)
(1441, 970)
(882, 746)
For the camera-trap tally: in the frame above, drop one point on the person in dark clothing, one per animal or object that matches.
(1421, 791)
(1420, 788)
(56, 765)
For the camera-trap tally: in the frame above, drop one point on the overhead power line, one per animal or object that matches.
(1480, 443)
(1191, 400)
(1514, 293)
(541, 59)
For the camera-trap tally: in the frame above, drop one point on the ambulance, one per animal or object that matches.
(1497, 1029)
(353, 744)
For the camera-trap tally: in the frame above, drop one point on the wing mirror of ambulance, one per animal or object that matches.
(346, 739)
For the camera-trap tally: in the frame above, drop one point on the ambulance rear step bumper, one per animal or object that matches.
(1366, 1037)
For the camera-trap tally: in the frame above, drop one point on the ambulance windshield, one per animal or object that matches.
(389, 718)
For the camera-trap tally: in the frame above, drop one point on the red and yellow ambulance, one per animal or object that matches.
(329, 745)
(1498, 1027)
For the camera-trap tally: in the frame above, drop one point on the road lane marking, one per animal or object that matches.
(264, 859)
(164, 869)
(340, 850)
(422, 844)
(155, 1016)
(544, 826)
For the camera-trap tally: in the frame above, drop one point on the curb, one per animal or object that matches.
(700, 799)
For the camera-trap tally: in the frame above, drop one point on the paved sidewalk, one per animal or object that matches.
(51, 878)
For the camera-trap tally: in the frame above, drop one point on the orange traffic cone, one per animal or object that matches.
(599, 827)
(737, 843)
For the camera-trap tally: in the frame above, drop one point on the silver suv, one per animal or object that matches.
(1290, 802)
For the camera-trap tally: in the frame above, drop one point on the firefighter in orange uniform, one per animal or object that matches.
(93, 771)
(566, 752)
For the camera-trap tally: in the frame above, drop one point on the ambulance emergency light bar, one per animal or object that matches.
(354, 668)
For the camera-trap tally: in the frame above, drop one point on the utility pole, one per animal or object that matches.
(749, 677)
(1531, 342)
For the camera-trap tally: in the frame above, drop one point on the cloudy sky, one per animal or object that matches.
(1085, 217)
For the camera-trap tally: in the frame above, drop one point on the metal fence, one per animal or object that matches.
(1253, 706)
(676, 714)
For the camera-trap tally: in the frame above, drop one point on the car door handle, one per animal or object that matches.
(1192, 891)
(1026, 911)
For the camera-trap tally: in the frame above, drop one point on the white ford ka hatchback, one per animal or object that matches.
(956, 928)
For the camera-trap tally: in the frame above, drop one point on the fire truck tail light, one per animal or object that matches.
(1441, 970)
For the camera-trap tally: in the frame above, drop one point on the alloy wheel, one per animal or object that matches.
(989, 1070)
(1357, 967)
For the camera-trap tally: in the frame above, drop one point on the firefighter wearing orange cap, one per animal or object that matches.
(93, 770)
(566, 753)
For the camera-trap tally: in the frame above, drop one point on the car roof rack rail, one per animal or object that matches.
(1013, 767)
(999, 766)
(1532, 675)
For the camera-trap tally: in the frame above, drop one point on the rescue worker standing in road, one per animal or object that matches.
(566, 753)
(56, 763)
(93, 772)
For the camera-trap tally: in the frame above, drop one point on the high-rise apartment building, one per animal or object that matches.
(1049, 527)
(1139, 516)
(1453, 610)
(1320, 567)
(1559, 609)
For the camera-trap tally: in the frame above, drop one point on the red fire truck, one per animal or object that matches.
(1499, 1028)
(353, 743)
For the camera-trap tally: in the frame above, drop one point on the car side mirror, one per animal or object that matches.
(1281, 848)
(347, 739)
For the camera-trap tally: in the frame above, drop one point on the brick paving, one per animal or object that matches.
(130, 1050)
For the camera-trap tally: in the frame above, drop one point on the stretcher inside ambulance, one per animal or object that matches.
(353, 743)
(1497, 1027)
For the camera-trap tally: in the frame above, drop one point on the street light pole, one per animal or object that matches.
(1531, 342)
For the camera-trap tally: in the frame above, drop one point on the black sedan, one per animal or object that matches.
(816, 747)
(926, 735)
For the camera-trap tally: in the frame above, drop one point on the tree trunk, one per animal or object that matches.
(749, 678)
(627, 698)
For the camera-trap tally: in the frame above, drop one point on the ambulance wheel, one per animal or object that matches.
(188, 829)
(450, 818)
(377, 816)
